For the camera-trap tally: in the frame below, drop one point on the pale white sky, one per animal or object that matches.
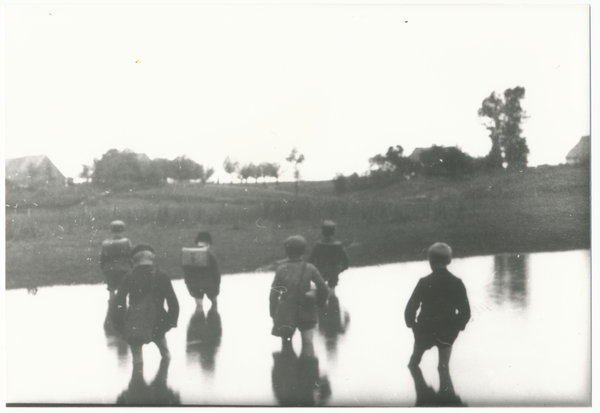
(339, 82)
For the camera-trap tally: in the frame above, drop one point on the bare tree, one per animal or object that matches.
(296, 159)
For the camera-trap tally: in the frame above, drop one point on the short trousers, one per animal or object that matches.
(113, 279)
(198, 287)
(428, 338)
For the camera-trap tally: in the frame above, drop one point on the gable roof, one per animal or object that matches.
(18, 169)
(581, 151)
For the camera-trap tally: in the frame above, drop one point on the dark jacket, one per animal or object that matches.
(330, 257)
(136, 285)
(443, 301)
(115, 254)
(205, 280)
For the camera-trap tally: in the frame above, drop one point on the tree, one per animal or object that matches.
(208, 172)
(86, 173)
(296, 159)
(244, 172)
(271, 170)
(393, 162)
(230, 167)
(451, 162)
(255, 172)
(185, 169)
(117, 169)
(505, 117)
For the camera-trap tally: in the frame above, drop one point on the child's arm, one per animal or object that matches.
(410, 313)
(216, 273)
(274, 295)
(345, 260)
(322, 289)
(172, 303)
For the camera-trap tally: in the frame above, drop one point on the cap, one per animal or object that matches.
(295, 241)
(117, 226)
(140, 247)
(143, 258)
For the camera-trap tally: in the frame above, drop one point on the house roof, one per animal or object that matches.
(18, 168)
(581, 151)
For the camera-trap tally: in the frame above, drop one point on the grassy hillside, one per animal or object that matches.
(54, 236)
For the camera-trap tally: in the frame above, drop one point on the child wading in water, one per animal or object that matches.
(329, 256)
(445, 309)
(201, 271)
(292, 302)
(139, 313)
(114, 258)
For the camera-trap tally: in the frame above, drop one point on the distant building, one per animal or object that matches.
(580, 152)
(418, 153)
(28, 171)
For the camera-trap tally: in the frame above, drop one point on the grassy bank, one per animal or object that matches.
(54, 238)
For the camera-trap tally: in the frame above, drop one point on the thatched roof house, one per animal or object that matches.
(28, 170)
(580, 152)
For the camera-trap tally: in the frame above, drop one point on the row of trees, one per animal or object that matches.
(503, 115)
(125, 168)
(263, 170)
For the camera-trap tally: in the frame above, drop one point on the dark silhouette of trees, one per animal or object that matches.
(393, 162)
(255, 172)
(505, 115)
(121, 170)
(244, 172)
(117, 169)
(451, 162)
(270, 170)
(185, 169)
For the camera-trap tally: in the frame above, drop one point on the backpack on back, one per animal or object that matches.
(194, 257)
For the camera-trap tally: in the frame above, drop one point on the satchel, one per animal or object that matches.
(287, 313)
(141, 320)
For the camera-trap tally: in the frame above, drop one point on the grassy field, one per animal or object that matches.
(54, 237)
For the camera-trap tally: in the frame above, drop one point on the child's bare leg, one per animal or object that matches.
(163, 348)
(198, 304)
(416, 357)
(308, 348)
(213, 301)
(137, 354)
(444, 358)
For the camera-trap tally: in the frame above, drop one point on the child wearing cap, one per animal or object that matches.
(114, 258)
(292, 302)
(201, 271)
(146, 280)
(445, 309)
(329, 256)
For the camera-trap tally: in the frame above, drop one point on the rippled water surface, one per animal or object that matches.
(527, 344)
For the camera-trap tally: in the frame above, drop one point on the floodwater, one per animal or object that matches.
(527, 344)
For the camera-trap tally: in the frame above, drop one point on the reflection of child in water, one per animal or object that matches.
(296, 380)
(204, 337)
(156, 393)
(445, 309)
